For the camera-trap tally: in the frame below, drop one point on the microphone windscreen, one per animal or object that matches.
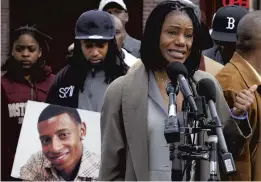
(174, 69)
(207, 88)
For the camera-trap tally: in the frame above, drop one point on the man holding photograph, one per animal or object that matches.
(63, 156)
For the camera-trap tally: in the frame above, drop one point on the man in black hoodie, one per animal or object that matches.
(94, 64)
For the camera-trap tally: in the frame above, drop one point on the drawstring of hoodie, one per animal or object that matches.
(34, 89)
(32, 83)
(36, 92)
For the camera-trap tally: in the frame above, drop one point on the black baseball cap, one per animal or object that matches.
(225, 23)
(95, 25)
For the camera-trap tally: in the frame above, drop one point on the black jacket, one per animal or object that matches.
(64, 90)
(66, 86)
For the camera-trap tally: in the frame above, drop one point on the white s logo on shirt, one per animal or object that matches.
(66, 92)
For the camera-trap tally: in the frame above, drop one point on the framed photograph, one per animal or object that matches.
(30, 142)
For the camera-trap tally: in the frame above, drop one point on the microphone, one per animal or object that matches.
(206, 88)
(171, 91)
(172, 131)
(177, 72)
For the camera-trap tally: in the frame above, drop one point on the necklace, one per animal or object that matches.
(161, 78)
(162, 82)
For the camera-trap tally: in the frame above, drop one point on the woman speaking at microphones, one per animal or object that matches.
(136, 105)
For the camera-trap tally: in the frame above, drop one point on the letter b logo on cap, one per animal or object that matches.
(230, 23)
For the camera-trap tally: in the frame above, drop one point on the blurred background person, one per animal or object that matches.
(26, 78)
(128, 58)
(243, 72)
(223, 33)
(119, 9)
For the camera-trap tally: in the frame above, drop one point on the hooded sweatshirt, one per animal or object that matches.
(15, 94)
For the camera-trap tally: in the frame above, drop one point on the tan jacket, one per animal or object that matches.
(234, 77)
(124, 152)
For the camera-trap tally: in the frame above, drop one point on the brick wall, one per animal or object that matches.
(4, 29)
(148, 6)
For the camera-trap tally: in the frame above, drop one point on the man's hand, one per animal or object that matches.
(244, 100)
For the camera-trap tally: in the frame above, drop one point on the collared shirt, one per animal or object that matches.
(129, 59)
(39, 168)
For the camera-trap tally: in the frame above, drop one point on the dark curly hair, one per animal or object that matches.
(150, 53)
(14, 69)
(55, 110)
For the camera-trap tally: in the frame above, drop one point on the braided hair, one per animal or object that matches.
(14, 69)
(151, 37)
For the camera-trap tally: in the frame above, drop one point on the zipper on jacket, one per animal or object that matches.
(34, 94)
(93, 72)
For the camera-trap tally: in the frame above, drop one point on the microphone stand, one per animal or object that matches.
(176, 132)
(172, 132)
(212, 141)
(172, 128)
